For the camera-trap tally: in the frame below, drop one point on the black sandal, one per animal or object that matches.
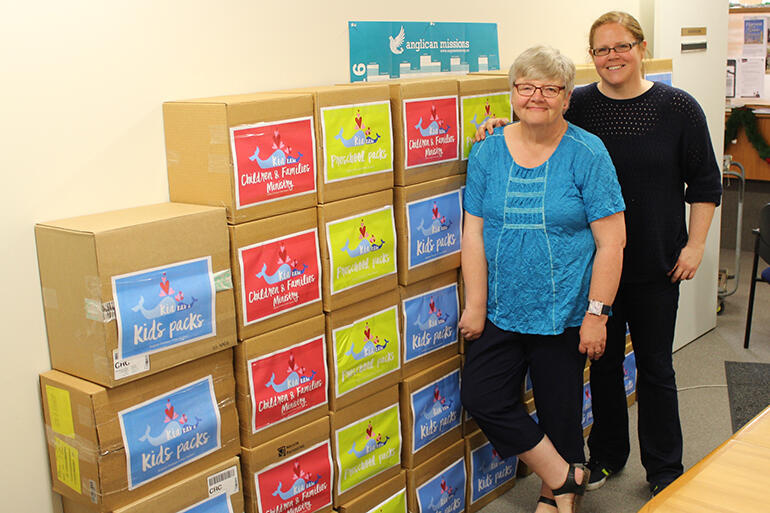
(571, 486)
(546, 500)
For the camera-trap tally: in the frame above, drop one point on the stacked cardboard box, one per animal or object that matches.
(140, 320)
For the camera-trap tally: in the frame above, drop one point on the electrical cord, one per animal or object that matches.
(700, 386)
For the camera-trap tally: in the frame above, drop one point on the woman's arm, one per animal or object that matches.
(691, 255)
(474, 268)
(610, 237)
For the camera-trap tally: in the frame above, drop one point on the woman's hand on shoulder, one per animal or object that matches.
(472, 323)
(593, 335)
(489, 126)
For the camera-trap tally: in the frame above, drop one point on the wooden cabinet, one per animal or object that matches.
(743, 152)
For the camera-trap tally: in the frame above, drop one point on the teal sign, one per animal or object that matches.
(399, 49)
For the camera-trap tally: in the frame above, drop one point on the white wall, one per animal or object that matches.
(702, 74)
(81, 132)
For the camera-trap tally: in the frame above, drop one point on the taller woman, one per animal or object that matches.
(659, 142)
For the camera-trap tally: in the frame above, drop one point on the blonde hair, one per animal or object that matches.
(543, 62)
(626, 21)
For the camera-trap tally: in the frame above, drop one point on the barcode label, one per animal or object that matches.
(92, 490)
(129, 366)
(223, 482)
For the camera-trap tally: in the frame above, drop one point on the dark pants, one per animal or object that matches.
(650, 311)
(495, 366)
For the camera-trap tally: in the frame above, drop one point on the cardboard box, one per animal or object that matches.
(431, 411)
(481, 98)
(277, 269)
(366, 444)
(364, 349)
(111, 447)
(440, 483)
(358, 249)
(281, 381)
(251, 153)
(388, 496)
(629, 377)
(291, 472)
(214, 488)
(461, 294)
(425, 129)
(430, 314)
(429, 228)
(489, 475)
(354, 134)
(131, 292)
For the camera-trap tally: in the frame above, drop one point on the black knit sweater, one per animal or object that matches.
(659, 142)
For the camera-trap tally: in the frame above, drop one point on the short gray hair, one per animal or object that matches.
(543, 62)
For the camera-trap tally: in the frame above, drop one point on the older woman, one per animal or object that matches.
(542, 252)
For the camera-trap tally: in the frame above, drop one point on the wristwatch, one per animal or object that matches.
(598, 308)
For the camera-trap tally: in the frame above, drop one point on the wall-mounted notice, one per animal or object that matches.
(380, 50)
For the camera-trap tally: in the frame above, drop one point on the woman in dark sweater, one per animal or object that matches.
(659, 143)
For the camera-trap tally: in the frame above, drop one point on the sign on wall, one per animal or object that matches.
(381, 50)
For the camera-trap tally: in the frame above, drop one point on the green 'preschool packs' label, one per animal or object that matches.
(362, 248)
(366, 350)
(357, 140)
(475, 110)
(368, 447)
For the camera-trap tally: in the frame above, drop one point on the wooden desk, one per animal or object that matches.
(734, 478)
(743, 152)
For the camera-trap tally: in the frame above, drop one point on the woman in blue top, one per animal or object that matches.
(543, 235)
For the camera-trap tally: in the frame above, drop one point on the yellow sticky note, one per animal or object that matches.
(60, 411)
(67, 464)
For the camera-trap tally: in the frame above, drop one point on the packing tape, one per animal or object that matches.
(98, 311)
(84, 448)
(50, 299)
(219, 164)
(223, 280)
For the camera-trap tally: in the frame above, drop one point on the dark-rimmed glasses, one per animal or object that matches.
(548, 91)
(621, 48)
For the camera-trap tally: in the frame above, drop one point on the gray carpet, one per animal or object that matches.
(748, 390)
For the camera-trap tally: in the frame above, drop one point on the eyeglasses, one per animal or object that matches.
(621, 48)
(548, 91)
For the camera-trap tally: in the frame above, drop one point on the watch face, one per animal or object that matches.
(595, 307)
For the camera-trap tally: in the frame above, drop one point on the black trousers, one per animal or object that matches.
(650, 311)
(495, 366)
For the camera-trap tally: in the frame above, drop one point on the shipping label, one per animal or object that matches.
(217, 504)
(489, 471)
(366, 350)
(368, 447)
(273, 161)
(161, 308)
(170, 431)
(430, 321)
(445, 492)
(362, 248)
(394, 504)
(434, 227)
(357, 140)
(287, 382)
(476, 110)
(279, 275)
(302, 484)
(436, 409)
(430, 131)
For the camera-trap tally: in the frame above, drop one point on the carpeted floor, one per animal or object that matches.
(748, 389)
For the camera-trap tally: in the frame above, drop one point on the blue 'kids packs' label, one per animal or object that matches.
(434, 227)
(588, 414)
(629, 373)
(436, 409)
(445, 493)
(489, 470)
(158, 309)
(430, 321)
(217, 504)
(169, 431)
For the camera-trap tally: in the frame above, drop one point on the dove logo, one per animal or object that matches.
(170, 430)
(397, 42)
(445, 493)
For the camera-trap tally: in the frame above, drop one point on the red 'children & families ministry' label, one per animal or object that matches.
(273, 161)
(430, 131)
(279, 275)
